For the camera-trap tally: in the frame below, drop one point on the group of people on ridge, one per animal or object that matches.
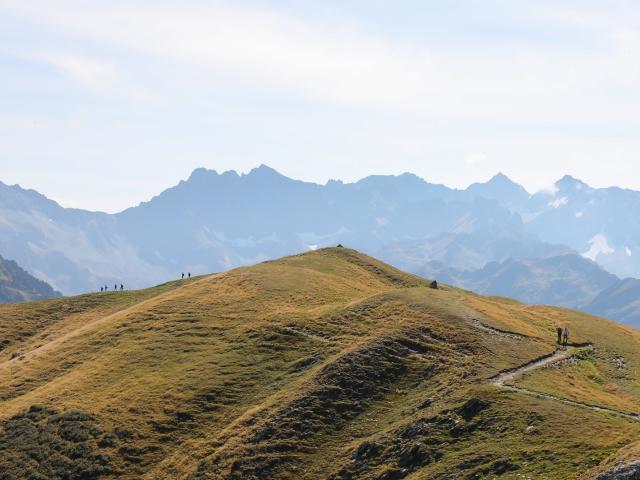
(115, 288)
(563, 335)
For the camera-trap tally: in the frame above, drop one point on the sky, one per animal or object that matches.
(104, 104)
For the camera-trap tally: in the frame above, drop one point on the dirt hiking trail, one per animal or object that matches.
(504, 379)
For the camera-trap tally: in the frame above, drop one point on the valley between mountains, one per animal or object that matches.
(326, 365)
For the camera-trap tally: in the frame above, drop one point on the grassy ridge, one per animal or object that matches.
(329, 364)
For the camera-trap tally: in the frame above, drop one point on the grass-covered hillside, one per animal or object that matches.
(328, 365)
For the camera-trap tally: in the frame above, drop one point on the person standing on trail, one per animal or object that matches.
(102, 289)
(559, 332)
(565, 336)
(183, 275)
(189, 274)
(121, 287)
(115, 287)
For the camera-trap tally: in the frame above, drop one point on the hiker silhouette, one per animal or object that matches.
(565, 336)
(121, 287)
(189, 274)
(102, 289)
(559, 332)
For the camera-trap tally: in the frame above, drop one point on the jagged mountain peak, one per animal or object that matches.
(201, 173)
(502, 189)
(405, 177)
(261, 171)
(264, 171)
(501, 178)
(569, 182)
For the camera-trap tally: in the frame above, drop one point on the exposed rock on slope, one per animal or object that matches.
(629, 471)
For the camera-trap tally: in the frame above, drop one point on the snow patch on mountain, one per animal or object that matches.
(558, 202)
(599, 245)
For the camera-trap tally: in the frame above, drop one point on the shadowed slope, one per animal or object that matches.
(16, 285)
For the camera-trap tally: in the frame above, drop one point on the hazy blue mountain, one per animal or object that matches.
(502, 189)
(602, 224)
(72, 250)
(621, 301)
(214, 221)
(468, 251)
(222, 220)
(567, 280)
(16, 285)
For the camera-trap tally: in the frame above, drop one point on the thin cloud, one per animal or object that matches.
(476, 158)
(91, 73)
(350, 66)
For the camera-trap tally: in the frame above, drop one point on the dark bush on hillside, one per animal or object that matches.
(44, 444)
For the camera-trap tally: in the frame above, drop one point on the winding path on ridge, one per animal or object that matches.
(502, 379)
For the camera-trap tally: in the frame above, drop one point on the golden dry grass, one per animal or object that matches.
(284, 369)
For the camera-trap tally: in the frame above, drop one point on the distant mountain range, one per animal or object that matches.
(213, 222)
(217, 221)
(16, 285)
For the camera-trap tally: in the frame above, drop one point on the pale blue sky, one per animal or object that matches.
(105, 103)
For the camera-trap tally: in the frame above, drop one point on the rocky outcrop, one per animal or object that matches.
(626, 471)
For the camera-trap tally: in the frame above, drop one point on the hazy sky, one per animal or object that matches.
(105, 103)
